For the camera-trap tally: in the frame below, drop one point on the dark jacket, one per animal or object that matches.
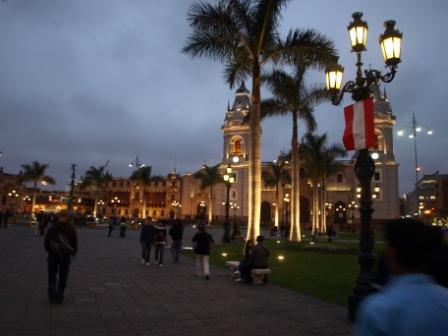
(202, 243)
(66, 230)
(176, 232)
(147, 233)
(259, 257)
(160, 235)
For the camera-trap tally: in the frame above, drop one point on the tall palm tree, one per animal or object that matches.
(320, 162)
(209, 177)
(142, 177)
(96, 179)
(276, 176)
(35, 173)
(292, 96)
(244, 35)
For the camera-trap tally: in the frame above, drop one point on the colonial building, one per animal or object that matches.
(342, 189)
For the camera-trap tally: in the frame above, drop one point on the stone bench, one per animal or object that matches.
(259, 275)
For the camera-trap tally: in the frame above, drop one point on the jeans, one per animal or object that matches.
(160, 248)
(57, 266)
(146, 250)
(176, 246)
(202, 266)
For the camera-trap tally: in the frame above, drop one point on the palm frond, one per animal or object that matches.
(272, 107)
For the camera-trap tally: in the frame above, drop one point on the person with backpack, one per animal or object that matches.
(61, 243)
(176, 232)
(160, 241)
(203, 242)
(147, 239)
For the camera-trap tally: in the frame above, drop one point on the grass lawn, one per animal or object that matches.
(323, 270)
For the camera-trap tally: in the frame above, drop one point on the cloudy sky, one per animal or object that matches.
(88, 81)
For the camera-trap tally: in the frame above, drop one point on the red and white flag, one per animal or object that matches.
(359, 125)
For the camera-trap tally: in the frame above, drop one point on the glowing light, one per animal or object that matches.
(418, 129)
(400, 133)
(411, 136)
(429, 132)
(281, 258)
(278, 241)
(235, 159)
(311, 243)
(375, 156)
(224, 254)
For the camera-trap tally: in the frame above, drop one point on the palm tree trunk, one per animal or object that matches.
(295, 234)
(253, 224)
(315, 208)
(95, 205)
(33, 204)
(323, 200)
(144, 203)
(276, 206)
(210, 208)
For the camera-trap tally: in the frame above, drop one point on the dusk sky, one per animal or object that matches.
(88, 81)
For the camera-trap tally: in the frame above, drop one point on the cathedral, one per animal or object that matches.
(343, 190)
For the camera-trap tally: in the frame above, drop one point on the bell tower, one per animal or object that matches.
(384, 123)
(236, 129)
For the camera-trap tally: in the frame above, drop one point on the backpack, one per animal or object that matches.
(61, 247)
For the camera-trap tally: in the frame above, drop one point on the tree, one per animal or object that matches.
(96, 179)
(292, 96)
(35, 173)
(244, 35)
(142, 177)
(209, 177)
(275, 176)
(320, 162)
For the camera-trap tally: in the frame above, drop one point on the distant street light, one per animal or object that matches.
(412, 130)
(115, 201)
(136, 163)
(229, 179)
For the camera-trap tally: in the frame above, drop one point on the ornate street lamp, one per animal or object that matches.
(177, 206)
(286, 201)
(229, 178)
(353, 206)
(115, 201)
(236, 231)
(390, 42)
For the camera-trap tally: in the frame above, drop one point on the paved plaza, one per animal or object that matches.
(110, 293)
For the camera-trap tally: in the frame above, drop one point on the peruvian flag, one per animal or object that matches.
(359, 126)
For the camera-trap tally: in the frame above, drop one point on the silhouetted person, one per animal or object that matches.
(147, 239)
(176, 233)
(203, 242)
(61, 244)
(412, 303)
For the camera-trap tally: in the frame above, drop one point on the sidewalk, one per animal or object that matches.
(111, 293)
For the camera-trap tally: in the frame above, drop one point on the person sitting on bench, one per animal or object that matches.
(258, 257)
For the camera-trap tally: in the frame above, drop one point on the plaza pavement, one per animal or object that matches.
(110, 293)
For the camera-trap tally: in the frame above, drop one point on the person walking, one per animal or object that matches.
(110, 226)
(203, 242)
(176, 233)
(61, 243)
(123, 227)
(147, 239)
(412, 303)
(160, 242)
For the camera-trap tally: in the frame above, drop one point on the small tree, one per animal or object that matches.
(96, 179)
(209, 177)
(275, 176)
(35, 173)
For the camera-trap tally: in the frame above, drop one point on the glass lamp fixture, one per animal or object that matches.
(390, 43)
(358, 32)
(229, 170)
(226, 177)
(333, 77)
(232, 179)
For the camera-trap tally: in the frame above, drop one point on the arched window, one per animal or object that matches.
(236, 147)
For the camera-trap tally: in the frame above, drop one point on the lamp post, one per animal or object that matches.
(229, 179)
(352, 206)
(236, 231)
(115, 201)
(177, 206)
(412, 130)
(390, 42)
(101, 204)
(13, 197)
(136, 163)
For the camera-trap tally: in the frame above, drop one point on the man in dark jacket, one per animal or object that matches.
(176, 232)
(61, 243)
(147, 239)
(203, 242)
(259, 255)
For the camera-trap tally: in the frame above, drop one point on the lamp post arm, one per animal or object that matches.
(348, 87)
(374, 76)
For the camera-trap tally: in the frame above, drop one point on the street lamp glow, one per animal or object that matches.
(429, 132)
(375, 155)
(418, 129)
(358, 32)
(400, 133)
(411, 136)
(390, 43)
(281, 258)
